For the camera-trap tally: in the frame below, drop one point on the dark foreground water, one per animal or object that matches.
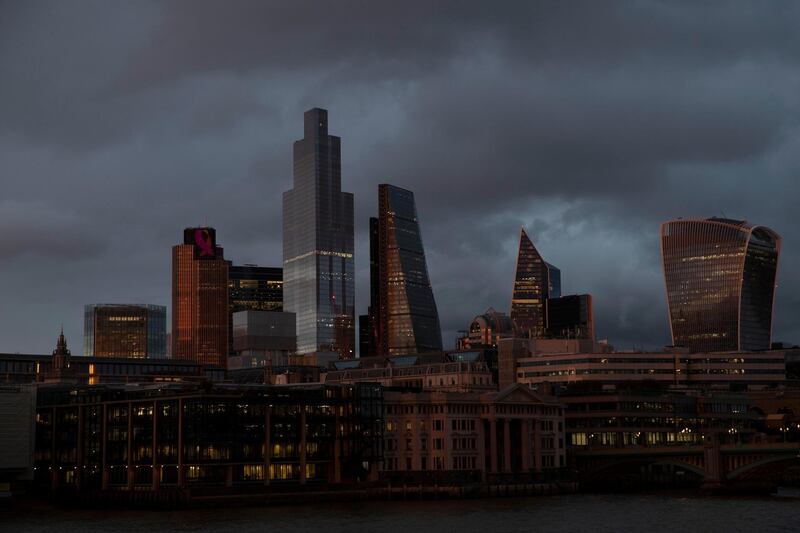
(583, 512)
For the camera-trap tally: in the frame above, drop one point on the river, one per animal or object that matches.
(578, 512)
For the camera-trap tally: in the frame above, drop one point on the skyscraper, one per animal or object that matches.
(720, 278)
(318, 271)
(200, 299)
(125, 330)
(407, 319)
(532, 285)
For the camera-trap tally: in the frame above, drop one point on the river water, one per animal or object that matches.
(579, 512)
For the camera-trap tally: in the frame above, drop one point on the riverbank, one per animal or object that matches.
(657, 512)
(200, 497)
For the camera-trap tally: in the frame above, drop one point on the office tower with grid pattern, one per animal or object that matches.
(125, 331)
(407, 320)
(200, 299)
(720, 277)
(318, 269)
(533, 280)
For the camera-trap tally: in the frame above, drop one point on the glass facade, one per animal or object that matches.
(408, 320)
(532, 282)
(570, 317)
(107, 438)
(253, 288)
(720, 280)
(554, 281)
(125, 330)
(200, 314)
(318, 268)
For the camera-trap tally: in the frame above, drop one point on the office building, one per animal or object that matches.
(200, 310)
(720, 278)
(252, 287)
(755, 370)
(262, 338)
(181, 436)
(369, 345)
(318, 240)
(532, 282)
(364, 335)
(125, 330)
(407, 319)
(554, 281)
(17, 435)
(570, 317)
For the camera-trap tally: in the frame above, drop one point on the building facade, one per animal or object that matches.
(636, 418)
(532, 282)
(513, 433)
(318, 265)
(262, 338)
(570, 317)
(125, 330)
(407, 319)
(200, 311)
(486, 331)
(669, 368)
(720, 279)
(184, 436)
(252, 287)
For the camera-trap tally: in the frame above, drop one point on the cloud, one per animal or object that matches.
(587, 123)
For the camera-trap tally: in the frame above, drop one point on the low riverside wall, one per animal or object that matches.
(221, 496)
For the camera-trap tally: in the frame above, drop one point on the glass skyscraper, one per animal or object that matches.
(533, 280)
(720, 278)
(318, 271)
(125, 331)
(407, 319)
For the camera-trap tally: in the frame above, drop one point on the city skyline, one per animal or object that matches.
(709, 137)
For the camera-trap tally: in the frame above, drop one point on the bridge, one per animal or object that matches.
(710, 465)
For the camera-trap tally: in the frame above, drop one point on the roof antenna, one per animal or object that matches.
(724, 215)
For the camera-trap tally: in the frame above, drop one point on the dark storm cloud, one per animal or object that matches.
(589, 123)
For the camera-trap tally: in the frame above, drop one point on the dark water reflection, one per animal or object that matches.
(584, 512)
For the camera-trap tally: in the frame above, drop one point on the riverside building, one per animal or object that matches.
(514, 433)
(180, 436)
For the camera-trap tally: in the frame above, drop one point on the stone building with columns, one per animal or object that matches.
(442, 435)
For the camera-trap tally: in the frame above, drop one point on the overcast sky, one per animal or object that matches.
(587, 123)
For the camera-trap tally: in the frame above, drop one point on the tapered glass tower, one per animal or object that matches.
(532, 284)
(720, 278)
(407, 319)
(318, 281)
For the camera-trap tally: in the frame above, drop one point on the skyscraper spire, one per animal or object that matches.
(531, 289)
(318, 272)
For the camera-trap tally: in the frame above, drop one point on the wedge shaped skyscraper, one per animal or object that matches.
(406, 320)
(533, 280)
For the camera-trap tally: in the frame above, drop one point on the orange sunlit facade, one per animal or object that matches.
(200, 299)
